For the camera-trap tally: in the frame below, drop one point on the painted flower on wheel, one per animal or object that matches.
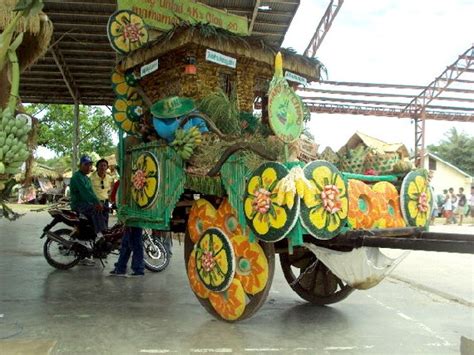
(210, 262)
(260, 204)
(251, 264)
(145, 180)
(229, 304)
(201, 217)
(327, 201)
(126, 31)
(196, 285)
(419, 195)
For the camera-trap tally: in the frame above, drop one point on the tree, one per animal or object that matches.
(457, 149)
(56, 128)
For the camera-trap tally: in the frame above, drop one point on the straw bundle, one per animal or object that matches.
(38, 33)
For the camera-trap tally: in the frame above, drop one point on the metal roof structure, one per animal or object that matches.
(78, 65)
(448, 97)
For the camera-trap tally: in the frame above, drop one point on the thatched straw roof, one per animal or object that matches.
(207, 36)
(40, 171)
(378, 145)
(38, 32)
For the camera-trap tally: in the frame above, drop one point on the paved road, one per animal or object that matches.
(424, 308)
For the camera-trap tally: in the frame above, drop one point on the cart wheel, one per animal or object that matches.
(246, 279)
(311, 279)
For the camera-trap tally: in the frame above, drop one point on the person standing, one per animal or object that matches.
(102, 184)
(132, 244)
(462, 202)
(454, 205)
(447, 207)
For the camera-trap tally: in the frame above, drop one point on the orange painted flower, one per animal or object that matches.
(196, 285)
(365, 206)
(251, 264)
(201, 217)
(391, 216)
(227, 220)
(229, 304)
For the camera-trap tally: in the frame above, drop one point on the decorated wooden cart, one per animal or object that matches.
(195, 159)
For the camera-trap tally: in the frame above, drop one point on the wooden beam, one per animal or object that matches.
(254, 15)
(65, 73)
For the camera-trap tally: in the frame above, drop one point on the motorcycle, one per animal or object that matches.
(64, 248)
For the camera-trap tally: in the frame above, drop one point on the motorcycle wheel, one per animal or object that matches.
(58, 255)
(157, 257)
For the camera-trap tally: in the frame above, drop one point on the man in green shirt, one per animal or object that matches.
(83, 198)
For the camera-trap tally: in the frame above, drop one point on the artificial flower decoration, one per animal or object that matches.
(417, 199)
(196, 285)
(365, 206)
(215, 263)
(145, 180)
(229, 304)
(201, 217)
(211, 261)
(120, 86)
(126, 114)
(126, 31)
(267, 220)
(391, 213)
(324, 206)
(251, 264)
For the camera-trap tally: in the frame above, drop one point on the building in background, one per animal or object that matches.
(446, 175)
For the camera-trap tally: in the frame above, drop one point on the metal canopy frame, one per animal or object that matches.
(446, 98)
(78, 65)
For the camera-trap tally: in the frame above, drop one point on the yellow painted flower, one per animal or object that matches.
(325, 204)
(126, 114)
(419, 201)
(145, 180)
(120, 85)
(260, 204)
(126, 31)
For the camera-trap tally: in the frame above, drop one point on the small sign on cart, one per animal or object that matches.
(220, 58)
(149, 68)
(295, 77)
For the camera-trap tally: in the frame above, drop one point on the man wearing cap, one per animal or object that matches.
(83, 198)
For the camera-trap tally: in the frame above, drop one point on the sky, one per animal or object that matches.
(385, 41)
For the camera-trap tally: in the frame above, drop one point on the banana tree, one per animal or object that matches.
(13, 130)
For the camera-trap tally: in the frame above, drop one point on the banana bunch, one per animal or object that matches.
(13, 141)
(186, 141)
(295, 183)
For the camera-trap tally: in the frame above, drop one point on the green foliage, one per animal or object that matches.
(456, 149)
(223, 111)
(57, 163)
(29, 7)
(56, 129)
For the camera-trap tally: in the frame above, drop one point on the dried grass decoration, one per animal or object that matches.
(126, 31)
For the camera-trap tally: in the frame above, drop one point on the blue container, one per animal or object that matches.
(166, 127)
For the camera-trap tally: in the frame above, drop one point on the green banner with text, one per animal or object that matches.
(163, 14)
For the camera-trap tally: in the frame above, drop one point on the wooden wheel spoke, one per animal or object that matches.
(315, 282)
